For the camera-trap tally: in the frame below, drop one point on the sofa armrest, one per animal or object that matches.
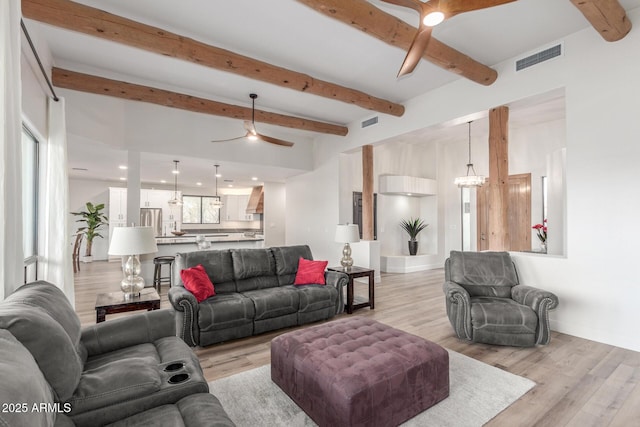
(128, 331)
(186, 307)
(339, 281)
(458, 304)
(541, 302)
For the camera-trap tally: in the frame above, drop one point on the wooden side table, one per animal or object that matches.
(115, 302)
(354, 272)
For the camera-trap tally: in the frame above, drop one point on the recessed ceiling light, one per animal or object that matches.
(409, 194)
(254, 178)
(218, 175)
(123, 167)
(198, 183)
(175, 172)
(162, 181)
(122, 178)
(230, 185)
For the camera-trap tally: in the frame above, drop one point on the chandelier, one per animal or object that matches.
(472, 179)
(216, 203)
(176, 201)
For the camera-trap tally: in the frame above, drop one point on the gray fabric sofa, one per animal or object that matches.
(254, 294)
(486, 303)
(130, 371)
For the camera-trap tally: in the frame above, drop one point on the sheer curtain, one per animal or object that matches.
(11, 253)
(55, 245)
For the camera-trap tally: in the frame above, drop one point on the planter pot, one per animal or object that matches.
(413, 247)
(87, 259)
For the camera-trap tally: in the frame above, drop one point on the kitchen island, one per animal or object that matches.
(171, 245)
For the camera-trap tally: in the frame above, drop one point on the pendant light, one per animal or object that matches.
(471, 179)
(176, 201)
(217, 202)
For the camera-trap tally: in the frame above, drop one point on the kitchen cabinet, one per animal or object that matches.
(117, 205)
(155, 198)
(235, 208)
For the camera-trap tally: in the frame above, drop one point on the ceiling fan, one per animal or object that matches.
(432, 13)
(252, 134)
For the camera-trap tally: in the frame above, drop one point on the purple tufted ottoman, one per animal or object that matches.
(359, 372)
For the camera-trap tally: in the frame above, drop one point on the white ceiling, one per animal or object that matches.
(291, 35)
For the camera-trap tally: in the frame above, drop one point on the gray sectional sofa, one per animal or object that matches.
(254, 294)
(131, 371)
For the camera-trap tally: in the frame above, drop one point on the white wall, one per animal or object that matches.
(275, 213)
(595, 281)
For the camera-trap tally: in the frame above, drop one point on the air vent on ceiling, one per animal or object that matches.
(536, 58)
(80, 169)
(369, 122)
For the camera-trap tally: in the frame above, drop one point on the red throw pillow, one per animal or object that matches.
(310, 272)
(196, 280)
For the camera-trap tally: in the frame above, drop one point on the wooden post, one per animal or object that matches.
(498, 179)
(367, 192)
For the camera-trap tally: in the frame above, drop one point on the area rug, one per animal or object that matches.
(478, 392)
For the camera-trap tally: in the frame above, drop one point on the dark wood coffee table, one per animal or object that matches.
(114, 302)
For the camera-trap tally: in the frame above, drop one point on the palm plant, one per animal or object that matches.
(94, 219)
(413, 227)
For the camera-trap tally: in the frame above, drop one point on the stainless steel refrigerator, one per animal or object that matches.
(152, 217)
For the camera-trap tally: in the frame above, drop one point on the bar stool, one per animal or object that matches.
(158, 279)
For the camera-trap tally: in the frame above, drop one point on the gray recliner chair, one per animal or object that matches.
(486, 303)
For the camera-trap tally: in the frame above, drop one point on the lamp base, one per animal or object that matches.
(133, 283)
(346, 261)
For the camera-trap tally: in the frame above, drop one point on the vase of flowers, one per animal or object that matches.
(541, 230)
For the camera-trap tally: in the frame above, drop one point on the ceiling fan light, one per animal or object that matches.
(433, 18)
(252, 137)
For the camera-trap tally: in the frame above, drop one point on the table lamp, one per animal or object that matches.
(131, 242)
(347, 233)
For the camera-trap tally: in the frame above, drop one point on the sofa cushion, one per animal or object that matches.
(274, 302)
(502, 315)
(310, 272)
(317, 297)
(286, 258)
(22, 386)
(484, 273)
(201, 409)
(254, 269)
(225, 311)
(218, 265)
(197, 281)
(47, 342)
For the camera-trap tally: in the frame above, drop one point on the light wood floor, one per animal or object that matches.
(579, 382)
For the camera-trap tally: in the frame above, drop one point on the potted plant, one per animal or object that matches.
(93, 219)
(413, 227)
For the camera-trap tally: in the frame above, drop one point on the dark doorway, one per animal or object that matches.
(357, 212)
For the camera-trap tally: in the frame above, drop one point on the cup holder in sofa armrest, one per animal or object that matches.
(175, 366)
(178, 378)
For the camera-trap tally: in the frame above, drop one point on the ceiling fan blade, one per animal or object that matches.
(416, 51)
(454, 7)
(412, 4)
(250, 127)
(228, 139)
(275, 141)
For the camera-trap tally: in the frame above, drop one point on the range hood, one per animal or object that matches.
(256, 201)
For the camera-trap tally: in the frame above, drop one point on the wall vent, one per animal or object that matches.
(536, 58)
(369, 122)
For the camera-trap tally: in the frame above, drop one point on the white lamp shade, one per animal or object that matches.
(347, 233)
(132, 241)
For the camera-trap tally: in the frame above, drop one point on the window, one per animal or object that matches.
(29, 204)
(200, 210)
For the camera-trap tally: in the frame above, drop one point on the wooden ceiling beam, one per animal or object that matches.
(608, 17)
(366, 17)
(81, 18)
(103, 86)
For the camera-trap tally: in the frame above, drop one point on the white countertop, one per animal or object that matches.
(213, 238)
